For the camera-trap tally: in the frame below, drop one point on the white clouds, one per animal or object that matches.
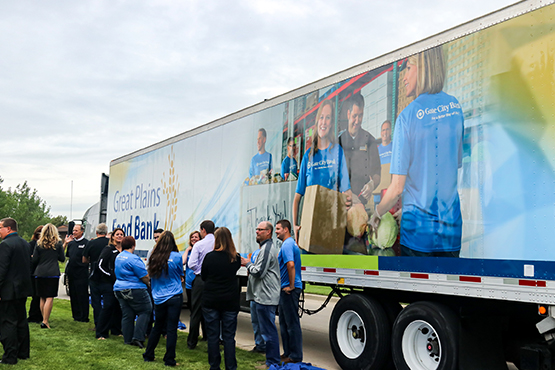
(84, 82)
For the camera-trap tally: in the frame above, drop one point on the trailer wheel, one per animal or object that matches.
(360, 335)
(425, 337)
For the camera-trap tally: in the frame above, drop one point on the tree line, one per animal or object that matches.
(25, 206)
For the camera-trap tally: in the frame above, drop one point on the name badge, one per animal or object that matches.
(363, 148)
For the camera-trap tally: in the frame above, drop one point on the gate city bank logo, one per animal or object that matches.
(437, 110)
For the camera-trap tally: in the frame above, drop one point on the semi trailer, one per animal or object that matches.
(453, 137)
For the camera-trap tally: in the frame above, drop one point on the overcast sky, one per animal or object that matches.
(85, 82)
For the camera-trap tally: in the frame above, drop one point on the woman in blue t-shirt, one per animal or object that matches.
(165, 268)
(324, 163)
(131, 291)
(427, 153)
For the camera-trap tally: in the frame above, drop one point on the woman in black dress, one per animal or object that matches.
(47, 253)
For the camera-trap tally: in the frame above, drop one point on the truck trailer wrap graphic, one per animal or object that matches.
(501, 79)
(463, 123)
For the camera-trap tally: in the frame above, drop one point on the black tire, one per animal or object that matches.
(360, 335)
(426, 336)
(392, 310)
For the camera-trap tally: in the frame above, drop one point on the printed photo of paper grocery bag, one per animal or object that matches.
(323, 221)
(385, 178)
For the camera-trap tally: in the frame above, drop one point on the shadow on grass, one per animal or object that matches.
(70, 345)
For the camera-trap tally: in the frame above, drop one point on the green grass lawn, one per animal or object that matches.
(317, 289)
(70, 345)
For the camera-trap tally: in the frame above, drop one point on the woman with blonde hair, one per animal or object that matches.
(427, 153)
(324, 163)
(47, 253)
(220, 299)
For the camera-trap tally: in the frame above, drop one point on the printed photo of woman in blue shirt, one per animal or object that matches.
(324, 163)
(426, 156)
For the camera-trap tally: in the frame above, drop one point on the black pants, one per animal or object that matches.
(196, 312)
(34, 309)
(14, 330)
(110, 315)
(96, 299)
(79, 297)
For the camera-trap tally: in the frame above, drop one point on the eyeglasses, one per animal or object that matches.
(262, 229)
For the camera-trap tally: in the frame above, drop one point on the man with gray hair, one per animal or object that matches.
(91, 255)
(264, 288)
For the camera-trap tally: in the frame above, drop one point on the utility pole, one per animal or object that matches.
(71, 203)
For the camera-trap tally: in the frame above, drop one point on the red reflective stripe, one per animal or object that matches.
(303, 268)
(329, 270)
(419, 276)
(527, 282)
(371, 272)
(539, 283)
(471, 279)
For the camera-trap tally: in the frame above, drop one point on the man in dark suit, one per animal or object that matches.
(15, 287)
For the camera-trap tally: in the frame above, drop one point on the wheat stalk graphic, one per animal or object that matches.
(170, 188)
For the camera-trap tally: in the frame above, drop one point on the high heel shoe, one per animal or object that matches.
(44, 326)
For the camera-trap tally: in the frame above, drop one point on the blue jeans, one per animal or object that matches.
(258, 340)
(167, 317)
(228, 321)
(134, 302)
(290, 325)
(267, 323)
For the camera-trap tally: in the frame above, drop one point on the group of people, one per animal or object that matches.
(124, 291)
(274, 279)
